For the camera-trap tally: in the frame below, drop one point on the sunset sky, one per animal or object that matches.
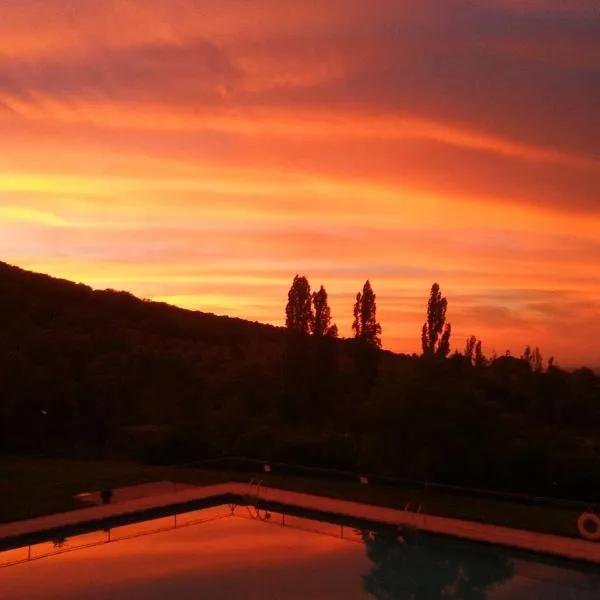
(203, 152)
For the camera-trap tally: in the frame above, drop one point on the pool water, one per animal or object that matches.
(220, 553)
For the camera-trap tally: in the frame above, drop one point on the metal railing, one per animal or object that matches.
(17, 503)
(109, 538)
(235, 464)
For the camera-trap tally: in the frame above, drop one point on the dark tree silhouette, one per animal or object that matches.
(533, 358)
(299, 362)
(325, 358)
(474, 352)
(443, 348)
(116, 377)
(537, 361)
(435, 335)
(299, 317)
(365, 325)
(367, 339)
(480, 360)
(431, 570)
(322, 315)
(470, 349)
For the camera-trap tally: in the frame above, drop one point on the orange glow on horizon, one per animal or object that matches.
(204, 157)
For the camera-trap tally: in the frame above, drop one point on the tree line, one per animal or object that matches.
(309, 314)
(105, 375)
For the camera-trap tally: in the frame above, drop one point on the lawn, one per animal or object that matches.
(33, 487)
(543, 519)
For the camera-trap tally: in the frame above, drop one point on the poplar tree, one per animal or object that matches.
(474, 352)
(365, 325)
(322, 315)
(367, 336)
(324, 372)
(299, 316)
(533, 358)
(470, 348)
(297, 360)
(435, 335)
(480, 360)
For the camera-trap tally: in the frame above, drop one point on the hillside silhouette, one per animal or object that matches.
(79, 362)
(102, 374)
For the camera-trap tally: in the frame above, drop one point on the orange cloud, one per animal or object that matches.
(314, 126)
(203, 156)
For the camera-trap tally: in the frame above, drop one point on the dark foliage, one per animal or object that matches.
(367, 339)
(435, 336)
(104, 375)
(299, 317)
(322, 319)
(367, 329)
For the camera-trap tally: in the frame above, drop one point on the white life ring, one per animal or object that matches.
(584, 532)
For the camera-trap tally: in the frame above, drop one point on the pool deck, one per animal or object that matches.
(575, 549)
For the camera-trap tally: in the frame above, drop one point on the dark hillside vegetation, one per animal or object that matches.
(104, 375)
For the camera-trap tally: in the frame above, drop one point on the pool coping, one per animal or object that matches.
(32, 530)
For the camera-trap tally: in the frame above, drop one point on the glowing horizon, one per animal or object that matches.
(204, 153)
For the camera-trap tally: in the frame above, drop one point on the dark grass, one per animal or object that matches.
(31, 487)
(541, 519)
(34, 487)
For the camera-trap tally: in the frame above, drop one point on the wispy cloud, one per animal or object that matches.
(204, 153)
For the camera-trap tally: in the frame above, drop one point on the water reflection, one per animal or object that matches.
(415, 571)
(293, 521)
(229, 552)
(215, 559)
(63, 545)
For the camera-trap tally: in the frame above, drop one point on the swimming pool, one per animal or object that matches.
(226, 552)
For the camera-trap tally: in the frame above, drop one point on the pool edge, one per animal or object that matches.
(91, 518)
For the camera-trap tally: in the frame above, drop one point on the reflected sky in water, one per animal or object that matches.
(211, 554)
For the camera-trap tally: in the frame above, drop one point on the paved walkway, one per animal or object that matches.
(142, 490)
(126, 507)
(515, 538)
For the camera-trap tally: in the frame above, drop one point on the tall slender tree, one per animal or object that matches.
(470, 348)
(322, 315)
(537, 362)
(534, 358)
(324, 351)
(298, 356)
(480, 360)
(443, 348)
(367, 335)
(474, 352)
(435, 335)
(365, 325)
(299, 316)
